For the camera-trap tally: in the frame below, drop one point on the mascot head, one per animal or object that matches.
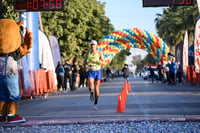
(10, 36)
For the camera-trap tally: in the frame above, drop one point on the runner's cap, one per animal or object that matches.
(93, 42)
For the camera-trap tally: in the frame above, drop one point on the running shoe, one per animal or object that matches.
(95, 107)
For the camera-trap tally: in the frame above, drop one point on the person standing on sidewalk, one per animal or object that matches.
(179, 72)
(108, 73)
(75, 72)
(152, 73)
(173, 71)
(60, 72)
(82, 73)
(94, 60)
(68, 75)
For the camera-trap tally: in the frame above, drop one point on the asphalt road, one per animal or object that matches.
(145, 100)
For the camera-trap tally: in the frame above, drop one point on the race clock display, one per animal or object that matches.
(38, 5)
(157, 3)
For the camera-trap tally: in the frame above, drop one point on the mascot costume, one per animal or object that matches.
(12, 47)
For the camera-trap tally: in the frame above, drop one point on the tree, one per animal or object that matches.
(80, 22)
(8, 10)
(118, 61)
(149, 59)
(137, 60)
(172, 24)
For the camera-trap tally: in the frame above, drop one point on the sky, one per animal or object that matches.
(124, 14)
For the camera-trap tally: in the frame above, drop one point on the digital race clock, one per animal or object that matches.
(157, 3)
(38, 5)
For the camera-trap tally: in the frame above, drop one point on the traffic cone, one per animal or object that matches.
(124, 94)
(124, 101)
(125, 91)
(120, 107)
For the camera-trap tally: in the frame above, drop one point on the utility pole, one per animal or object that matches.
(1, 9)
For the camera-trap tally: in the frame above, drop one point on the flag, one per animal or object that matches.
(55, 48)
(45, 54)
(197, 47)
(185, 52)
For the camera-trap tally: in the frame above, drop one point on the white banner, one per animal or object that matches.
(185, 52)
(45, 55)
(197, 47)
(55, 49)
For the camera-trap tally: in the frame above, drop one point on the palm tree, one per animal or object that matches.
(166, 27)
(171, 25)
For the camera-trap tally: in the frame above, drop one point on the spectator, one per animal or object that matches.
(179, 72)
(108, 73)
(60, 72)
(125, 72)
(168, 72)
(75, 72)
(173, 71)
(159, 67)
(152, 74)
(68, 75)
(164, 72)
(113, 72)
(82, 73)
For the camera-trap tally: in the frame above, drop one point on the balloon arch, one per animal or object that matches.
(124, 39)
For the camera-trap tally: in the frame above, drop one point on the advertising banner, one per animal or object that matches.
(45, 55)
(55, 49)
(197, 47)
(185, 52)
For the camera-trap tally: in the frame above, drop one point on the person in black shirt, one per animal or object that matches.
(151, 73)
(82, 73)
(68, 75)
(179, 72)
(75, 72)
(108, 73)
(125, 72)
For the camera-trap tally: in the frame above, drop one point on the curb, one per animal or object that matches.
(136, 119)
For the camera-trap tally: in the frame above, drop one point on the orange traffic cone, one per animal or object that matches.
(126, 88)
(120, 104)
(125, 91)
(124, 95)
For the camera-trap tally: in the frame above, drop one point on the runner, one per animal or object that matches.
(94, 60)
